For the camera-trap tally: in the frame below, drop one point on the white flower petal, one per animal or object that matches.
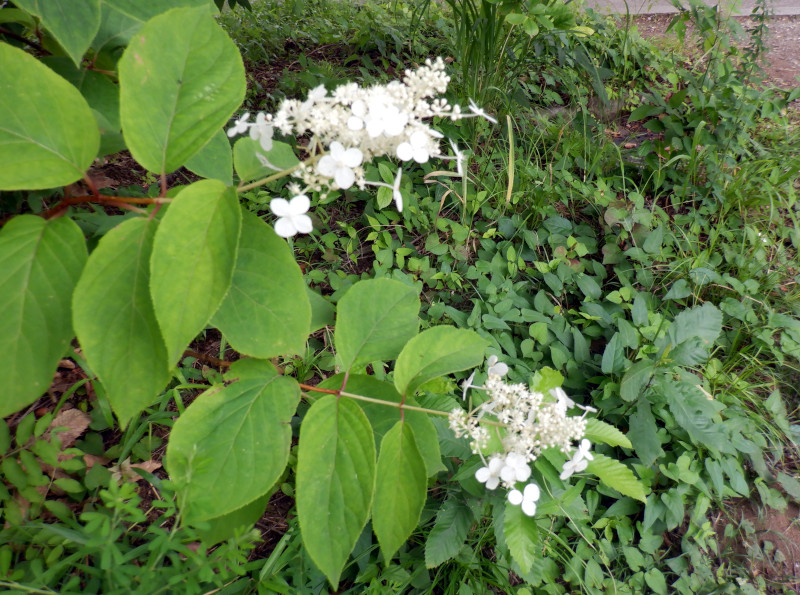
(492, 483)
(299, 204)
(528, 507)
(515, 497)
(326, 166)
(405, 151)
(303, 223)
(352, 157)
(280, 207)
(532, 492)
(355, 123)
(483, 474)
(523, 473)
(285, 228)
(344, 178)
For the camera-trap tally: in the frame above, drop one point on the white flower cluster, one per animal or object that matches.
(529, 423)
(356, 124)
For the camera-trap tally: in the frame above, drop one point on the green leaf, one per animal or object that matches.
(656, 581)
(636, 379)
(383, 417)
(249, 167)
(697, 415)
(522, 536)
(679, 290)
(589, 286)
(374, 320)
(614, 356)
(600, 431)
(224, 527)
(181, 78)
(115, 322)
(703, 322)
(194, 256)
(215, 160)
(322, 312)
(435, 352)
(617, 476)
(266, 312)
(122, 19)
(400, 489)
(335, 481)
(72, 24)
(232, 443)
(644, 433)
(545, 379)
(38, 150)
(40, 263)
(449, 532)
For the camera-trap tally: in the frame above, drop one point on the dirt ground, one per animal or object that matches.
(783, 59)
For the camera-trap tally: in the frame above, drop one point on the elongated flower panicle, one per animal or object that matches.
(353, 125)
(530, 423)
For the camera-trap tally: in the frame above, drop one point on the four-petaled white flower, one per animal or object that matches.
(527, 498)
(416, 148)
(490, 475)
(479, 111)
(292, 218)
(579, 461)
(240, 126)
(262, 131)
(496, 368)
(516, 469)
(339, 164)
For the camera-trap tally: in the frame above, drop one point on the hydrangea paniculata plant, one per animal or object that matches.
(352, 125)
(527, 423)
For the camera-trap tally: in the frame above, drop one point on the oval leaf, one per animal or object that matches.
(435, 352)
(400, 489)
(374, 320)
(231, 445)
(72, 24)
(115, 321)
(40, 263)
(383, 417)
(266, 312)
(617, 476)
(38, 150)
(181, 78)
(215, 160)
(194, 256)
(335, 481)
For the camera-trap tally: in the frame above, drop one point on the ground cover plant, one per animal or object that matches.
(507, 350)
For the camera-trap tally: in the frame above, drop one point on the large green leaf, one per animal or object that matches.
(644, 433)
(115, 322)
(697, 415)
(48, 135)
(266, 312)
(636, 379)
(224, 527)
(384, 417)
(181, 78)
(40, 263)
(121, 19)
(449, 532)
(215, 160)
(400, 489)
(335, 481)
(616, 475)
(522, 536)
(232, 443)
(435, 352)
(72, 24)
(702, 322)
(374, 320)
(194, 256)
(101, 94)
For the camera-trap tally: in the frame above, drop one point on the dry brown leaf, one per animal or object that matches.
(76, 422)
